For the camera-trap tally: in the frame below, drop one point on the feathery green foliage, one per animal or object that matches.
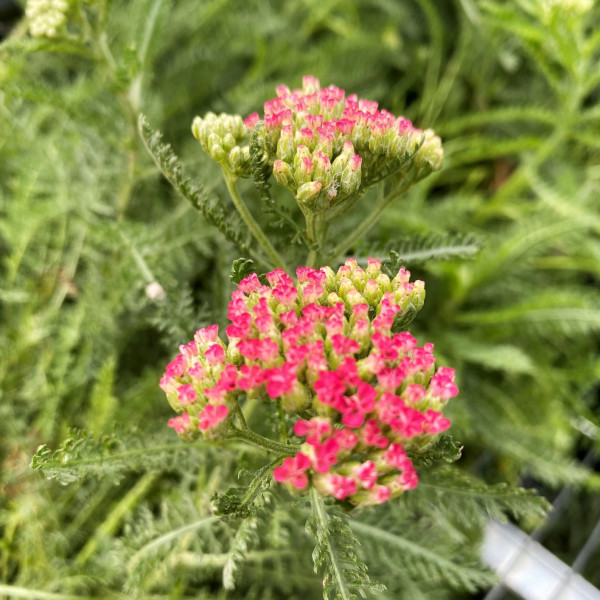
(335, 554)
(171, 168)
(112, 456)
(505, 237)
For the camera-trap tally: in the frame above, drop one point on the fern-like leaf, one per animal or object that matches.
(422, 562)
(171, 168)
(240, 502)
(241, 268)
(110, 456)
(260, 170)
(428, 248)
(466, 497)
(335, 555)
(445, 450)
(244, 538)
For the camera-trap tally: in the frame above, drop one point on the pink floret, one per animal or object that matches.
(292, 470)
(212, 416)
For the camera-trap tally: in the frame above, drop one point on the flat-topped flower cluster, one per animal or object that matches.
(325, 347)
(322, 145)
(47, 18)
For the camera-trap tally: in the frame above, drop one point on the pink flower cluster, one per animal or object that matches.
(325, 145)
(326, 347)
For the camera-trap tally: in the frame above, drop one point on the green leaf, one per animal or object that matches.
(240, 502)
(501, 357)
(111, 456)
(170, 166)
(244, 537)
(240, 269)
(335, 556)
(445, 450)
(422, 561)
(435, 247)
(465, 496)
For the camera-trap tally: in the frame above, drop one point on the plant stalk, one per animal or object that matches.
(247, 435)
(370, 221)
(251, 223)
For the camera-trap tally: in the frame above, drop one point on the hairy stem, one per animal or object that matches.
(250, 222)
(316, 228)
(247, 435)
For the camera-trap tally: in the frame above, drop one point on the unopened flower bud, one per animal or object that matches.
(239, 160)
(228, 142)
(372, 292)
(373, 268)
(283, 174)
(251, 121)
(384, 282)
(286, 147)
(214, 139)
(345, 286)
(307, 193)
(47, 18)
(351, 176)
(431, 151)
(155, 291)
(322, 166)
(217, 153)
(310, 84)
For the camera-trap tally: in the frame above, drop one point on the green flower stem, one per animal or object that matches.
(370, 221)
(240, 415)
(316, 228)
(252, 225)
(247, 435)
(282, 422)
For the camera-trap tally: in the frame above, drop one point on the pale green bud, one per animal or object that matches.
(308, 192)
(237, 161)
(217, 153)
(283, 174)
(286, 146)
(384, 282)
(228, 142)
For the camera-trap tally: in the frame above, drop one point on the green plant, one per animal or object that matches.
(88, 224)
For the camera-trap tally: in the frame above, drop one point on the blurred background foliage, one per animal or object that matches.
(87, 223)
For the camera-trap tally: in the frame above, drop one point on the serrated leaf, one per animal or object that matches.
(502, 357)
(240, 502)
(424, 561)
(110, 456)
(244, 537)
(171, 168)
(335, 555)
(428, 248)
(445, 450)
(240, 269)
(473, 495)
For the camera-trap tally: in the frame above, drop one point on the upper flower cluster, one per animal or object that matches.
(47, 18)
(322, 145)
(327, 349)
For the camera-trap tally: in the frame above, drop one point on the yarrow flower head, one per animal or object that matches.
(328, 349)
(322, 145)
(47, 18)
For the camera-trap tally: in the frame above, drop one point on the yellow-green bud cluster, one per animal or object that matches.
(221, 137)
(47, 18)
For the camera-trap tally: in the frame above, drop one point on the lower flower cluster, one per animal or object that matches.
(327, 348)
